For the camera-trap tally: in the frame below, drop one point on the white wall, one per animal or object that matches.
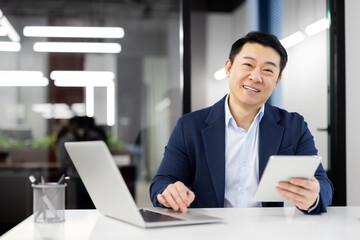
(305, 78)
(352, 39)
(212, 36)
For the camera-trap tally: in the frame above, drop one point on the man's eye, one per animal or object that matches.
(248, 64)
(268, 70)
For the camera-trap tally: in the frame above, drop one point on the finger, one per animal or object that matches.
(305, 183)
(291, 195)
(169, 198)
(297, 189)
(191, 196)
(311, 184)
(300, 201)
(162, 200)
(297, 203)
(185, 193)
(178, 199)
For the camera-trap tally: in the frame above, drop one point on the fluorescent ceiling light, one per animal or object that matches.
(82, 83)
(110, 104)
(77, 47)
(82, 75)
(317, 27)
(22, 79)
(12, 34)
(41, 82)
(78, 109)
(49, 107)
(10, 46)
(89, 100)
(21, 74)
(73, 32)
(161, 106)
(293, 39)
(90, 79)
(220, 74)
(57, 110)
(3, 31)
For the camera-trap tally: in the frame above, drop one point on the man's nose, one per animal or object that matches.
(255, 76)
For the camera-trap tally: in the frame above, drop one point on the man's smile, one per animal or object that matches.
(251, 89)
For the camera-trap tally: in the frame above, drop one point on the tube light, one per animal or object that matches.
(21, 74)
(293, 39)
(10, 46)
(84, 75)
(82, 83)
(73, 32)
(89, 101)
(57, 110)
(22, 79)
(40, 82)
(220, 74)
(3, 31)
(90, 79)
(12, 34)
(110, 104)
(317, 27)
(161, 106)
(77, 47)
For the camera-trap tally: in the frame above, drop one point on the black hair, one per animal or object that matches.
(265, 39)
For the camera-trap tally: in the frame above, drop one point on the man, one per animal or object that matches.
(216, 156)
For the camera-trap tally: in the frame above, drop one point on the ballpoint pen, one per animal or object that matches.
(33, 179)
(61, 179)
(43, 205)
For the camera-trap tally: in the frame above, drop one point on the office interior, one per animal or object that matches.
(159, 60)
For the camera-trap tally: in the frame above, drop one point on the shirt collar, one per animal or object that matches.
(229, 118)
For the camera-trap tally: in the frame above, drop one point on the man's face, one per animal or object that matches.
(253, 75)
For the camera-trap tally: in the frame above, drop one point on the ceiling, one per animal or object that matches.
(102, 8)
(86, 8)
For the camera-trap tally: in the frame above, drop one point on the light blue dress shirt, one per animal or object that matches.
(241, 161)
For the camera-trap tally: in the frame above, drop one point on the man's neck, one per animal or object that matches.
(243, 115)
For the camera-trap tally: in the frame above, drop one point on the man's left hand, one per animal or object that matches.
(299, 191)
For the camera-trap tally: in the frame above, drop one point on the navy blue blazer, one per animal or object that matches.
(195, 153)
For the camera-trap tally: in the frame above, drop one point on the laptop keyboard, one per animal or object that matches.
(150, 216)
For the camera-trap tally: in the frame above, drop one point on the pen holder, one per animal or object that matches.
(49, 202)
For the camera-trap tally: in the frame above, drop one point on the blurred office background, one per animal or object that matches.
(160, 60)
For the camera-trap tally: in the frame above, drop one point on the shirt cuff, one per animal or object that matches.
(315, 205)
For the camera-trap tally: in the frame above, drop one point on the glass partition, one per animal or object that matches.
(84, 70)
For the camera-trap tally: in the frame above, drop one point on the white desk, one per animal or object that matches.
(247, 223)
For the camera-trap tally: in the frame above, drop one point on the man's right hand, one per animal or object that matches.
(176, 196)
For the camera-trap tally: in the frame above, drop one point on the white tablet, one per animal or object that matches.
(281, 169)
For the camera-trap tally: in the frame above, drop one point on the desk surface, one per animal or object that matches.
(241, 223)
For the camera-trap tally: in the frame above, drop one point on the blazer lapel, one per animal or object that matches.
(270, 136)
(214, 143)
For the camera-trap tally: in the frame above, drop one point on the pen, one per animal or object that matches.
(61, 179)
(43, 205)
(33, 179)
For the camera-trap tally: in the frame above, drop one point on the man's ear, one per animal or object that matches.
(228, 68)
(278, 80)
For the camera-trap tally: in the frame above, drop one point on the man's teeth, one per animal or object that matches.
(251, 89)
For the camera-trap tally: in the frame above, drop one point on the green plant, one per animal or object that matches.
(46, 142)
(115, 144)
(7, 143)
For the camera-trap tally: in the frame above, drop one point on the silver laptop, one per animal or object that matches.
(110, 194)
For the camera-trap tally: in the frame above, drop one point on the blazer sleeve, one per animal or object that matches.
(175, 165)
(306, 144)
